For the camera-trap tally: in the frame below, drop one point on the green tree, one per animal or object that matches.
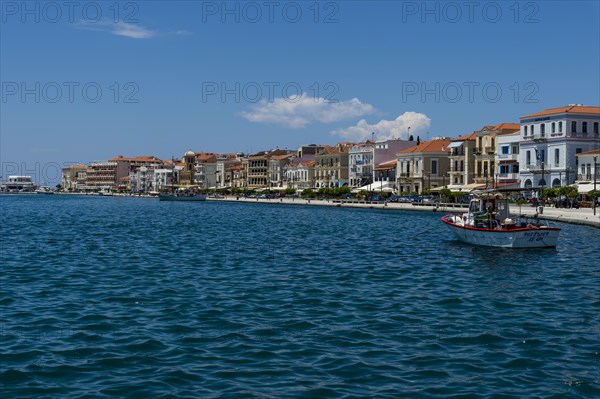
(444, 194)
(290, 191)
(308, 193)
(569, 192)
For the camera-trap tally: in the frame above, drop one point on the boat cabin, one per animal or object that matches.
(489, 212)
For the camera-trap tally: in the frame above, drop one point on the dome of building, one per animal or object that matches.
(189, 153)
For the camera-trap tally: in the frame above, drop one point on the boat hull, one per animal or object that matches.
(527, 237)
(172, 197)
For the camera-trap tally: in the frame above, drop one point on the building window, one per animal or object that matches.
(553, 127)
(596, 127)
(532, 129)
(543, 129)
(528, 157)
(584, 127)
(505, 149)
(556, 156)
(573, 127)
(434, 167)
(525, 130)
(515, 149)
(515, 168)
(560, 127)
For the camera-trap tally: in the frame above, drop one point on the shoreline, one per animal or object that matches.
(582, 216)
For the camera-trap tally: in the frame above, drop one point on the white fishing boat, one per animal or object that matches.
(44, 190)
(488, 223)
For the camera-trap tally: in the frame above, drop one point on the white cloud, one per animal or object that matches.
(299, 111)
(388, 129)
(126, 29)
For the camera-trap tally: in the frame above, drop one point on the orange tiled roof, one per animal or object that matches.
(386, 165)
(593, 152)
(507, 126)
(204, 156)
(570, 109)
(428, 146)
(471, 136)
(280, 157)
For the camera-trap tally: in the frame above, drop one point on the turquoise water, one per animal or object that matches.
(120, 297)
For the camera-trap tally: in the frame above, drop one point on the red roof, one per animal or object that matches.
(507, 126)
(471, 136)
(570, 109)
(428, 146)
(593, 152)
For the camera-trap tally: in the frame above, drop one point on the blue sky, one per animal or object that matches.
(360, 67)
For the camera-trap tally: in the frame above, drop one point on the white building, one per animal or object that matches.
(360, 171)
(588, 174)
(164, 178)
(363, 158)
(550, 141)
(19, 183)
(507, 160)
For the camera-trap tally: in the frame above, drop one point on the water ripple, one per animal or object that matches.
(105, 297)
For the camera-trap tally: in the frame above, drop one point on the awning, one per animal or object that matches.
(455, 144)
(376, 186)
(586, 188)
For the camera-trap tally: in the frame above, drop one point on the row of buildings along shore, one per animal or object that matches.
(551, 148)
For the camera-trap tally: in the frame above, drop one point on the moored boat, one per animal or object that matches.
(488, 223)
(44, 190)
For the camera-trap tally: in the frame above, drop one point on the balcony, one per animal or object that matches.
(456, 170)
(490, 150)
(585, 177)
(508, 176)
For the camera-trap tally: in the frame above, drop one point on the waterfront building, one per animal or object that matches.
(104, 174)
(187, 173)
(423, 166)
(485, 151)
(239, 174)
(205, 167)
(142, 179)
(462, 162)
(360, 167)
(277, 164)
(331, 166)
(73, 177)
(164, 178)
(588, 171)
(258, 168)
(384, 174)
(224, 169)
(364, 156)
(507, 160)
(19, 183)
(111, 173)
(300, 173)
(550, 142)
